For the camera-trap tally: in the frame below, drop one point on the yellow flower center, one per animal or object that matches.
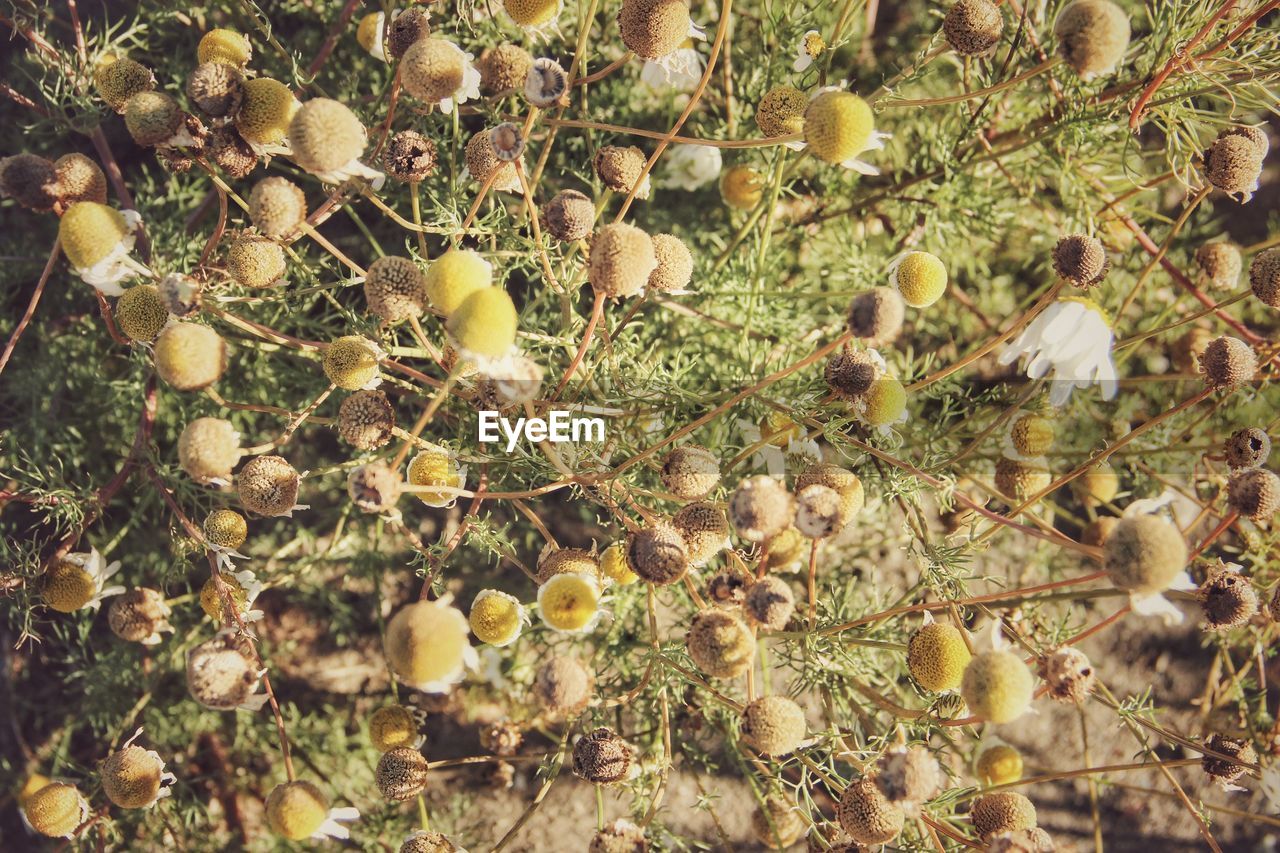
(495, 618)
(568, 602)
(814, 45)
(68, 587)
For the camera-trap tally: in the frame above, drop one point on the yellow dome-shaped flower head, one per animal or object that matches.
(134, 778)
(484, 326)
(937, 656)
(885, 403)
(613, 564)
(433, 468)
(155, 119)
(225, 528)
(77, 581)
(57, 810)
(1031, 434)
(427, 646)
(533, 14)
(921, 278)
(392, 727)
(781, 111)
(369, 34)
(454, 276)
(741, 187)
(89, 232)
(296, 810)
(140, 313)
(999, 764)
(351, 363)
(496, 618)
(997, 686)
(190, 357)
(266, 110)
(1144, 554)
(838, 126)
(117, 79)
(255, 261)
(570, 602)
(226, 46)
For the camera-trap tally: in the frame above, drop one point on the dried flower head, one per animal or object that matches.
(57, 810)
(1019, 479)
(1002, 811)
(704, 529)
(135, 778)
(866, 815)
(690, 472)
(908, 777)
(1081, 260)
(769, 603)
(621, 836)
(773, 725)
(407, 29)
(231, 151)
(620, 168)
(117, 79)
(409, 156)
(652, 29)
(675, 265)
(190, 357)
(216, 88)
(720, 644)
(223, 674)
(79, 179)
(139, 616)
(276, 206)
(563, 685)
(778, 823)
(1222, 771)
(268, 485)
(1232, 164)
(760, 508)
(849, 373)
(1093, 36)
(781, 111)
(504, 68)
(326, 138)
(374, 487)
(1227, 598)
(876, 315)
(621, 259)
(255, 261)
(569, 215)
(1069, 674)
(973, 27)
(140, 313)
(1254, 493)
(401, 774)
(658, 554)
(602, 757)
(546, 84)
(1144, 554)
(155, 119)
(1228, 363)
(1264, 277)
(1247, 447)
(1219, 264)
(30, 180)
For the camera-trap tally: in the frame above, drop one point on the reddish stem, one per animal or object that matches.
(1179, 58)
(597, 311)
(31, 306)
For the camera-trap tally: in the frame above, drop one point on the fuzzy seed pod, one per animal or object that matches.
(233, 154)
(705, 531)
(1081, 260)
(57, 810)
(561, 561)
(675, 264)
(728, 587)
(867, 816)
(1220, 265)
(432, 70)
(921, 279)
(658, 554)
(1256, 135)
(690, 472)
(268, 485)
(296, 810)
(504, 68)
(30, 180)
(190, 357)
(276, 207)
(773, 725)
(325, 135)
(1069, 674)
(937, 656)
(652, 29)
(838, 126)
(1219, 769)
(351, 362)
(140, 313)
(602, 757)
(485, 166)
(908, 777)
(428, 842)
(1232, 165)
(365, 420)
(769, 603)
(619, 168)
(138, 616)
(760, 508)
(973, 27)
(131, 777)
(741, 187)
(118, 80)
(1093, 36)
(266, 109)
(1144, 554)
(720, 644)
(89, 232)
(621, 836)
(819, 511)
(1264, 277)
(374, 487)
(1254, 493)
(225, 528)
(255, 261)
(392, 727)
(427, 645)
(1034, 840)
(1019, 479)
(1227, 598)
(485, 324)
(1032, 435)
(216, 88)
(563, 686)
(410, 156)
(620, 260)
(227, 46)
(222, 673)
(1247, 448)
(781, 111)
(1002, 811)
(999, 765)
(876, 315)
(79, 179)
(849, 373)
(401, 774)
(407, 29)
(208, 449)
(997, 686)
(395, 289)
(569, 215)
(778, 823)
(152, 118)
(1228, 363)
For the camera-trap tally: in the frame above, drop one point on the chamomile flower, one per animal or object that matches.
(884, 405)
(427, 646)
(435, 466)
(1072, 338)
(483, 329)
(298, 810)
(920, 277)
(570, 603)
(1145, 555)
(783, 439)
(839, 127)
(57, 810)
(327, 140)
(809, 48)
(535, 17)
(79, 580)
(370, 34)
(497, 618)
(683, 73)
(139, 616)
(243, 588)
(439, 72)
(656, 30)
(690, 167)
(97, 240)
(351, 363)
(224, 675)
(135, 778)
(266, 110)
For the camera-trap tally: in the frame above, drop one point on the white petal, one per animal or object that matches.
(1156, 605)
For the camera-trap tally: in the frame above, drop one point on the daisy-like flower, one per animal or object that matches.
(809, 49)
(570, 603)
(79, 580)
(97, 240)
(331, 828)
(298, 810)
(370, 33)
(134, 778)
(839, 127)
(428, 647)
(538, 18)
(681, 74)
(690, 167)
(435, 466)
(785, 439)
(1072, 337)
(497, 618)
(1146, 556)
(243, 587)
(470, 88)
